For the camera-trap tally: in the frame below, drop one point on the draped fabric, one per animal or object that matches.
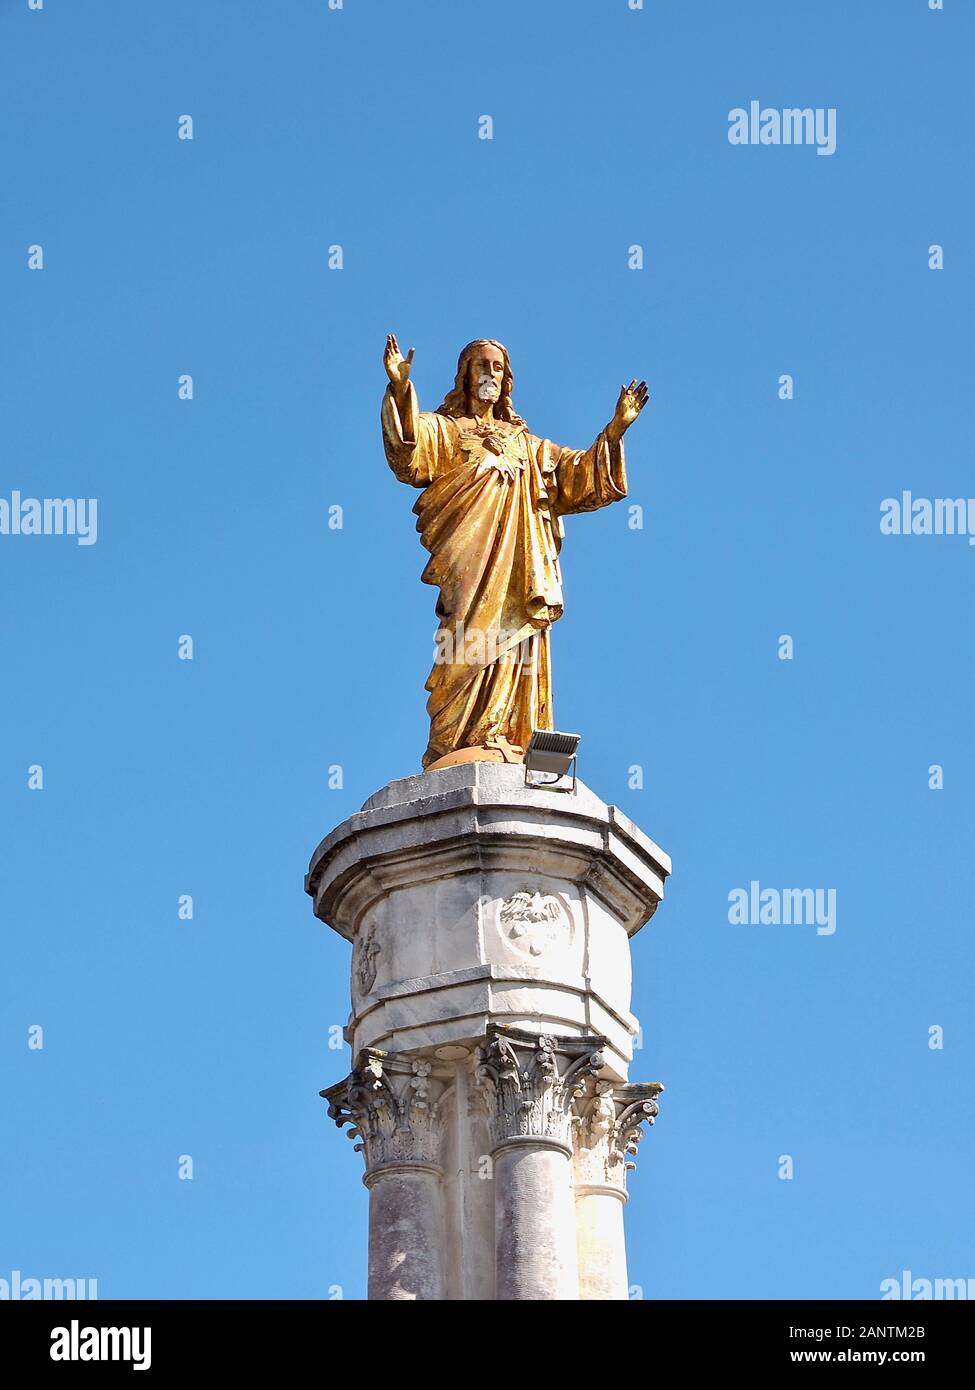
(490, 514)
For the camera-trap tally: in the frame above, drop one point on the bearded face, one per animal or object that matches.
(487, 373)
(487, 388)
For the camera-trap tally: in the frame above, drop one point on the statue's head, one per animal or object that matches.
(483, 373)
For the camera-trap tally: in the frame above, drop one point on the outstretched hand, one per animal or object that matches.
(631, 401)
(397, 366)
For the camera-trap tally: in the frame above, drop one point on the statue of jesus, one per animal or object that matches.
(490, 514)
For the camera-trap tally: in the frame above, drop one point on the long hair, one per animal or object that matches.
(457, 402)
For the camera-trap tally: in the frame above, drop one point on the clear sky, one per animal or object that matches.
(162, 777)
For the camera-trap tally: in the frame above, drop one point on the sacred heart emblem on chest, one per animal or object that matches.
(502, 450)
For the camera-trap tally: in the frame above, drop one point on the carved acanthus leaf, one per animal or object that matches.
(608, 1127)
(531, 1081)
(392, 1105)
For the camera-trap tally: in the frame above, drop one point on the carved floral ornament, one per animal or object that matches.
(550, 1088)
(394, 1107)
(526, 1086)
(607, 1128)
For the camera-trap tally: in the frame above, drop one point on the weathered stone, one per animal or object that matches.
(471, 898)
(491, 1030)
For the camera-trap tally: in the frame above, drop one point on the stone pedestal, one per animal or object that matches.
(491, 1030)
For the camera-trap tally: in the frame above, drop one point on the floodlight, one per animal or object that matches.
(552, 752)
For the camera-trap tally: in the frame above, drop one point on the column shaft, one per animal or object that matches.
(601, 1244)
(535, 1232)
(406, 1244)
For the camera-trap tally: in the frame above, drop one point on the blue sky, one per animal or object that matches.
(210, 777)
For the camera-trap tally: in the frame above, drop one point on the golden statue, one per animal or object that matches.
(490, 515)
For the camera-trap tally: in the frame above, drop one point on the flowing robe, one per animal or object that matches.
(493, 526)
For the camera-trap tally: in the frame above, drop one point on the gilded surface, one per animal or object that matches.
(490, 514)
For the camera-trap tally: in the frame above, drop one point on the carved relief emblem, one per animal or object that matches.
(367, 967)
(504, 450)
(535, 922)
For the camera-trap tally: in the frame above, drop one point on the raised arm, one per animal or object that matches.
(415, 444)
(398, 370)
(591, 479)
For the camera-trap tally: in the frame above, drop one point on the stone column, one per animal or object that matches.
(405, 1232)
(490, 925)
(535, 1247)
(529, 1083)
(601, 1246)
(607, 1131)
(471, 899)
(396, 1109)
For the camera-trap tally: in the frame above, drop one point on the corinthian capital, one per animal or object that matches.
(608, 1126)
(528, 1083)
(394, 1108)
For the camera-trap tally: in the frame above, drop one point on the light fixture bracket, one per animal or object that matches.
(552, 752)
